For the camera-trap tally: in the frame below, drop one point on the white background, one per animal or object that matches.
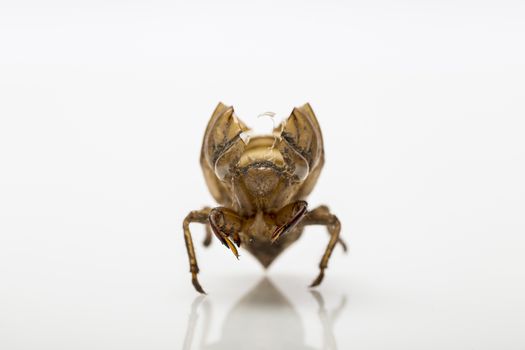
(103, 105)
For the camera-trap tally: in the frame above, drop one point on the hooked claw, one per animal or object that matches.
(278, 232)
(291, 214)
(225, 223)
(318, 280)
(196, 283)
(231, 246)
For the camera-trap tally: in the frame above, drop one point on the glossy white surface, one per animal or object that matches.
(102, 110)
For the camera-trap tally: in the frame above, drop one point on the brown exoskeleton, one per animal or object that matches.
(261, 184)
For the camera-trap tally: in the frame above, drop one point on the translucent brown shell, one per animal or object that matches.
(296, 144)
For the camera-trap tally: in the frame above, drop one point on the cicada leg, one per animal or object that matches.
(199, 216)
(321, 212)
(288, 217)
(207, 239)
(322, 216)
(226, 224)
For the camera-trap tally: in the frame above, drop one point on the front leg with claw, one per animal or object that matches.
(287, 218)
(226, 225)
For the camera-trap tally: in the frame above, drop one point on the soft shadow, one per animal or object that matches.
(262, 319)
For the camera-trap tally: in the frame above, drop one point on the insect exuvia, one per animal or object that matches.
(261, 185)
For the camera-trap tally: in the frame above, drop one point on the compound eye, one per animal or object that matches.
(222, 144)
(229, 159)
(301, 168)
(301, 141)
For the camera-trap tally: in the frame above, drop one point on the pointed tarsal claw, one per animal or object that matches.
(232, 247)
(196, 284)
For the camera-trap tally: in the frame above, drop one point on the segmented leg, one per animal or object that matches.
(324, 208)
(225, 223)
(288, 217)
(322, 216)
(207, 239)
(200, 216)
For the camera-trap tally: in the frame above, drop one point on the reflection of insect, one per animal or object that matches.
(261, 184)
(274, 322)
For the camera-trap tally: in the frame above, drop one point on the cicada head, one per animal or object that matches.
(271, 169)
